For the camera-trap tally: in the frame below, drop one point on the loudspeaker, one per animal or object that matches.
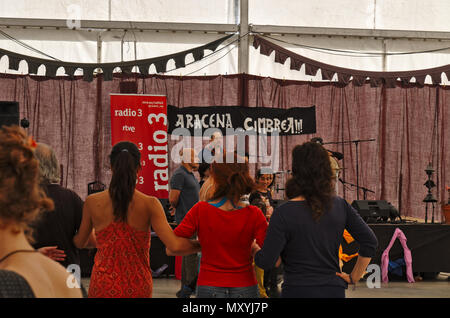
(373, 211)
(9, 113)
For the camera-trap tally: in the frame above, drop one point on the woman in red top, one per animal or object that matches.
(226, 229)
(121, 217)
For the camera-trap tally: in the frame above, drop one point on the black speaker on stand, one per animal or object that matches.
(373, 211)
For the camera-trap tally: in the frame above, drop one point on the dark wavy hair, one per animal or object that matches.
(231, 180)
(311, 177)
(125, 161)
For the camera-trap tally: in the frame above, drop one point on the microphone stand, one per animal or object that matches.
(365, 190)
(281, 173)
(356, 142)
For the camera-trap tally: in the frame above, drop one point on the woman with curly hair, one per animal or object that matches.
(307, 230)
(23, 271)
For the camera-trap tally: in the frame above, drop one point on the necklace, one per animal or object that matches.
(16, 251)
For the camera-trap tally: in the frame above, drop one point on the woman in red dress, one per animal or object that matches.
(122, 217)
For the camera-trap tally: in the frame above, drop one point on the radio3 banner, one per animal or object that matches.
(142, 120)
(261, 120)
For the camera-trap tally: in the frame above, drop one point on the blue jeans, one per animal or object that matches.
(227, 292)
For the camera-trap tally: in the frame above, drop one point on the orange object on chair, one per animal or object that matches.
(343, 256)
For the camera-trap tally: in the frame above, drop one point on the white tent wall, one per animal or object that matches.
(66, 45)
(417, 61)
(430, 15)
(81, 46)
(211, 11)
(55, 9)
(265, 65)
(117, 45)
(328, 13)
(153, 44)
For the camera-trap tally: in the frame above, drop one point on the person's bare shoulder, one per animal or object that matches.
(66, 283)
(48, 278)
(97, 200)
(150, 201)
(97, 196)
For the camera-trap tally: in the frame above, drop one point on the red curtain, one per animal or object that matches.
(409, 125)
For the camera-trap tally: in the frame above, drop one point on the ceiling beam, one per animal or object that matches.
(223, 28)
(119, 25)
(347, 32)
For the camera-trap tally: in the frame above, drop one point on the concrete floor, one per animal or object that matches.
(431, 288)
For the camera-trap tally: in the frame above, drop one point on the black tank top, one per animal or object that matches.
(13, 285)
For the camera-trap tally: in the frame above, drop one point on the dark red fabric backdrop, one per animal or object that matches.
(410, 125)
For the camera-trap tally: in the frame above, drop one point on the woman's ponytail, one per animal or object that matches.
(125, 162)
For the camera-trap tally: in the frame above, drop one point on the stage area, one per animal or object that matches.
(434, 288)
(429, 245)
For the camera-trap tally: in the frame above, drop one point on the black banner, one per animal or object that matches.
(260, 120)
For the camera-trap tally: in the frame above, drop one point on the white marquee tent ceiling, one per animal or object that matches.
(313, 29)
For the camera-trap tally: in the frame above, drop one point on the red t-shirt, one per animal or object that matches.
(226, 238)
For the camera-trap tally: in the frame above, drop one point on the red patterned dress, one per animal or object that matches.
(122, 263)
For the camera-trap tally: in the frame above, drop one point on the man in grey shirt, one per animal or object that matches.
(183, 195)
